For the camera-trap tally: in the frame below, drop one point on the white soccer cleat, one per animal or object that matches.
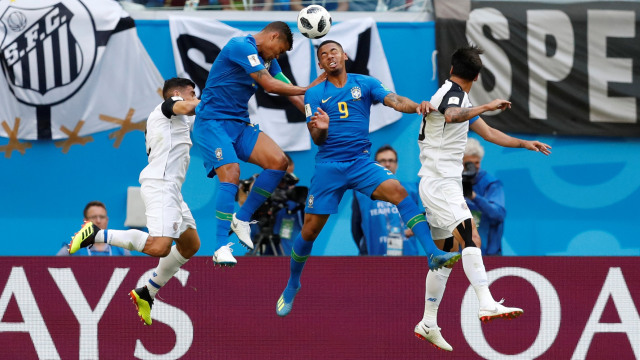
(223, 256)
(499, 311)
(243, 231)
(432, 335)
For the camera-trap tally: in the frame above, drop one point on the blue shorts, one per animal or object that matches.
(332, 179)
(224, 142)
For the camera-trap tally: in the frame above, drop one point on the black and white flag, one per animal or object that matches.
(71, 64)
(568, 67)
(197, 42)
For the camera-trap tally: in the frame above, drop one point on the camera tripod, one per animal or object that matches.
(267, 240)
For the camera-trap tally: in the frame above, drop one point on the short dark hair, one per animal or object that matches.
(325, 43)
(174, 83)
(466, 62)
(386, 148)
(283, 29)
(93, 203)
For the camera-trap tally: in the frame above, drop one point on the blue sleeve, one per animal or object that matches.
(491, 202)
(377, 89)
(311, 103)
(274, 68)
(245, 55)
(472, 120)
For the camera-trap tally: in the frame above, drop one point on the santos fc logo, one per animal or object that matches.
(48, 51)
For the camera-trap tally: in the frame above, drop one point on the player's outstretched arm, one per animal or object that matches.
(185, 107)
(298, 100)
(459, 114)
(499, 138)
(319, 127)
(275, 86)
(406, 105)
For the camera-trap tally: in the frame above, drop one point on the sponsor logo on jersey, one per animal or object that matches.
(356, 93)
(310, 202)
(327, 99)
(307, 110)
(454, 100)
(219, 154)
(253, 59)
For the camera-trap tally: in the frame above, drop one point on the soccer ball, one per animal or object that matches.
(314, 21)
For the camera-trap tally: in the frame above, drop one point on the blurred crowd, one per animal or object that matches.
(286, 5)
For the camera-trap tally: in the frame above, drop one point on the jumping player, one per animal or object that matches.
(338, 112)
(224, 134)
(168, 216)
(442, 140)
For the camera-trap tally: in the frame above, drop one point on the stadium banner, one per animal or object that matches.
(69, 308)
(567, 67)
(64, 62)
(197, 42)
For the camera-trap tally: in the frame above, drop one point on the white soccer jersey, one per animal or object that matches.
(168, 142)
(442, 144)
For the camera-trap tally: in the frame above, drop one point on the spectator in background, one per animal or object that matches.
(96, 212)
(376, 225)
(380, 5)
(330, 5)
(486, 200)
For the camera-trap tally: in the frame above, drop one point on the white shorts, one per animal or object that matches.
(445, 205)
(167, 213)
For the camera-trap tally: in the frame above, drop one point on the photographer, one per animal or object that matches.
(485, 198)
(279, 220)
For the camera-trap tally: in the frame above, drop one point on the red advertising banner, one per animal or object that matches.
(348, 308)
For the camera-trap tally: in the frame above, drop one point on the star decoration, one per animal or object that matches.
(13, 144)
(73, 137)
(125, 126)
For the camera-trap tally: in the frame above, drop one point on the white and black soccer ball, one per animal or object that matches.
(314, 21)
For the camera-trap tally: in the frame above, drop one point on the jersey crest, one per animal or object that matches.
(356, 93)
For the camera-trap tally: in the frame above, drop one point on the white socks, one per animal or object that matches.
(435, 284)
(167, 267)
(477, 275)
(127, 239)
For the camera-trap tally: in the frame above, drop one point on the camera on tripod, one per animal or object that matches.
(285, 197)
(468, 175)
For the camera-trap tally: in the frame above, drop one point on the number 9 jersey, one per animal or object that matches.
(349, 109)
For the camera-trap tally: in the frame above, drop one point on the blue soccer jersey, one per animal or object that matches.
(348, 108)
(229, 86)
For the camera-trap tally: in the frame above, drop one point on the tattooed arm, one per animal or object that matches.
(274, 86)
(406, 105)
(458, 114)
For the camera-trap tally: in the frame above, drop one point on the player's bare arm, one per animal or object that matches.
(499, 138)
(319, 126)
(185, 107)
(458, 114)
(400, 103)
(298, 100)
(274, 86)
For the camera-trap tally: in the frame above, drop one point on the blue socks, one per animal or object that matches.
(299, 254)
(261, 190)
(225, 202)
(416, 221)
